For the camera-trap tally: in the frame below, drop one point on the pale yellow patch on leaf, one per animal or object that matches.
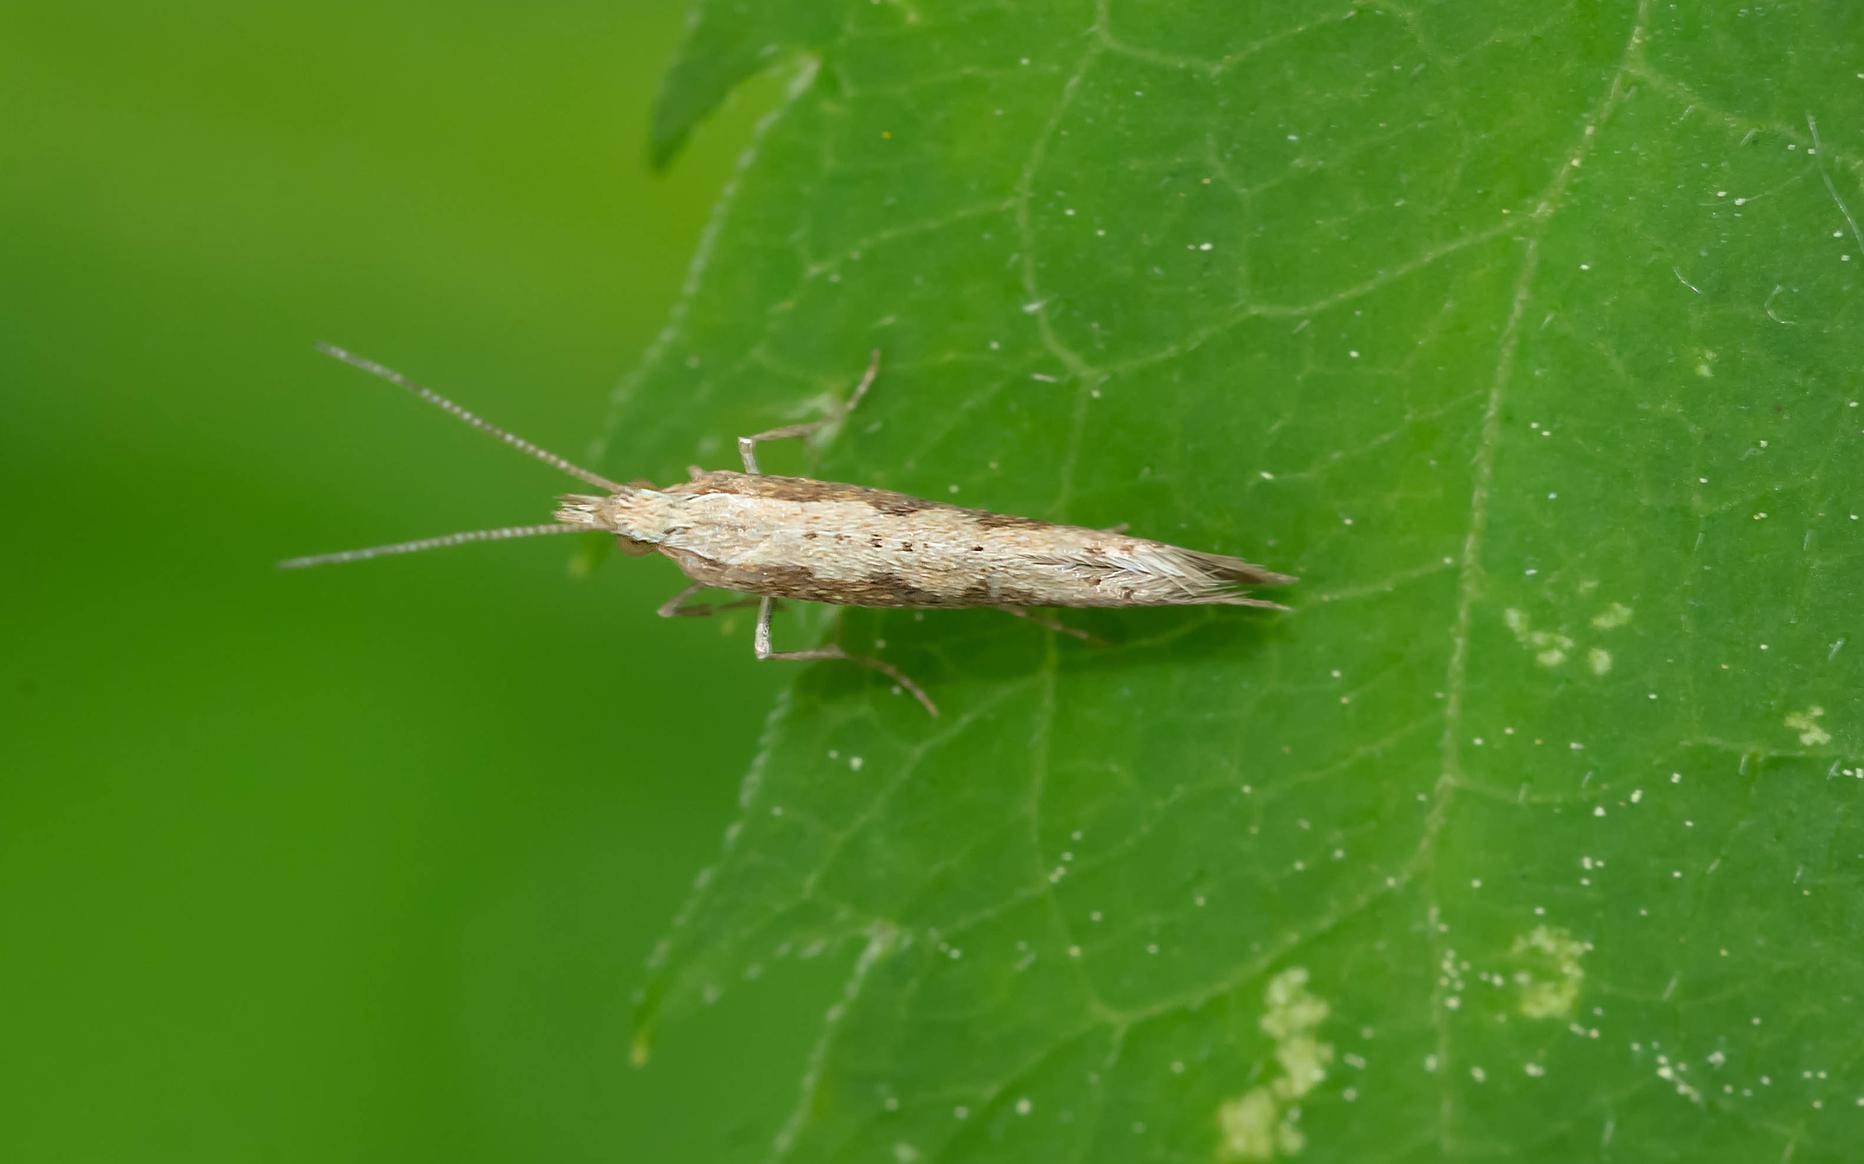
(1263, 1122)
(1549, 976)
(1806, 723)
(1615, 615)
(1549, 647)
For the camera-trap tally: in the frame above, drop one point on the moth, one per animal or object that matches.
(771, 538)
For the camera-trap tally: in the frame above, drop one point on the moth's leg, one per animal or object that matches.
(860, 390)
(747, 445)
(675, 607)
(762, 646)
(1042, 620)
(671, 607)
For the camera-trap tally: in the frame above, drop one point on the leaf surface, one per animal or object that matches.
(1529, 337)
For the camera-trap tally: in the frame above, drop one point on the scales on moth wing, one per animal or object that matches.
(849, 545)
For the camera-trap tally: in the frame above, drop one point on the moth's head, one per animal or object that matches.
(631, 512)
(582, 511)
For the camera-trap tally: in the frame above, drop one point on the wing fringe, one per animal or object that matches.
(1225, 578)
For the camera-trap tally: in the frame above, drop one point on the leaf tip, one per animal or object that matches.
(666, 137)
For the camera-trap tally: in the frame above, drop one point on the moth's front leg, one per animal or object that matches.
(761, 644)
(675, 607)
(747, 445)
(1047, 623)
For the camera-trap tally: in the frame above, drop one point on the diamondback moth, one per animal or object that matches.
(774, 537)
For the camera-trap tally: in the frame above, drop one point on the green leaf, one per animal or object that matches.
(726, 43)
(1530, 338)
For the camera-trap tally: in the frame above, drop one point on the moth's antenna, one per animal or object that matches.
(473, 419)
(455, 539)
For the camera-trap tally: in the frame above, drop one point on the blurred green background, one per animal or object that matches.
(360, 863)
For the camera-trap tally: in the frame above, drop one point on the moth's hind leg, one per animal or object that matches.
(762, 646)
(676, 607)
(1044, 621)
(747, 445)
